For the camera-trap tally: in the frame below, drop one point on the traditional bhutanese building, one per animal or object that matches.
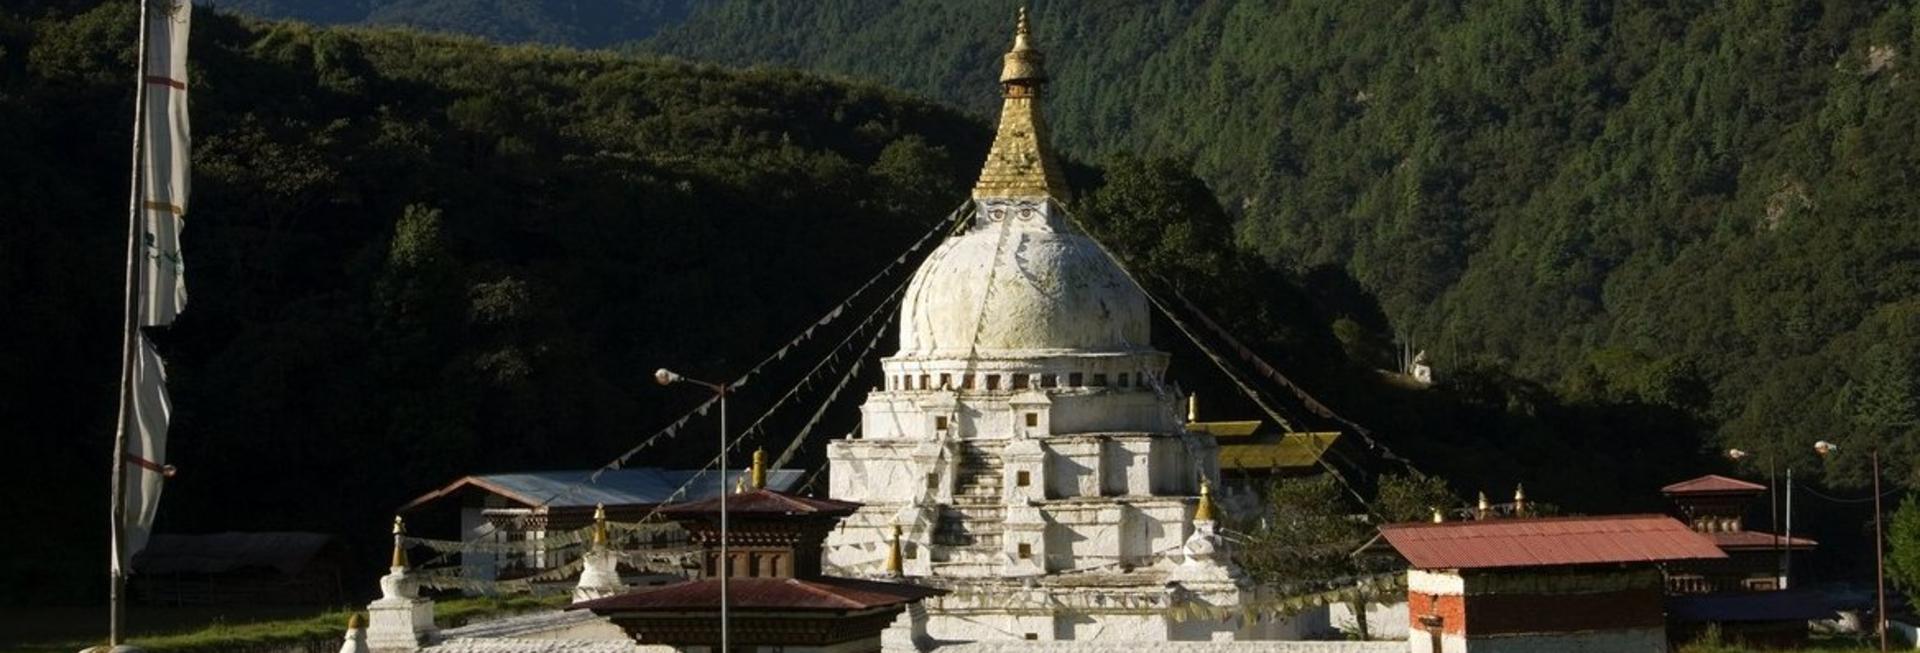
(1554, 585)
(1025, 441)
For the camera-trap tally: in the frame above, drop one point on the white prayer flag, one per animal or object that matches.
(146, 448)
(163, 284)
(164, 168)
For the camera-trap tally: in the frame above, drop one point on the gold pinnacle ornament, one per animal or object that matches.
(893, 553)
(1204, 511)
(399, 543)
(759, 475)
(1019, 165)
(600, 538)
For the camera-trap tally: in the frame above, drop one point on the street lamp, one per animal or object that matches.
(1782, 542)
(665, 376)
(1825, 448)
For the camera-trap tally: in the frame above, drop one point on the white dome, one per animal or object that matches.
(1052, 293)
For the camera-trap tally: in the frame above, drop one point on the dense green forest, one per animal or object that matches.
(1698, 205)
(414, 257)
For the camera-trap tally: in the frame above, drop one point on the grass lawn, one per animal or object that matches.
(204, 629)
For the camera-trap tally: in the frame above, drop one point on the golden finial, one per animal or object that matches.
(1519, 500)
(399, 543)
(739, 485)
(759, 475)
(1019, 165)
(1193, 408)
(893, 553)
(600, 538)
(353, 621)
(1204, 511)
(1480, 509)
(1438, 517)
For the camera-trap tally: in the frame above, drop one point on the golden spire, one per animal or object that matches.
(399, 544)
(1204, 511)
(1193, 408)
(1483, 507)
(600, 538)
(1438, 517)
(1519, 500)
(893, 553)
(1019, 164)
(759, 475)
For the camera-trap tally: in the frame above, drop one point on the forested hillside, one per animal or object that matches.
(1705, 205)
(413, 258)
(1700, 205)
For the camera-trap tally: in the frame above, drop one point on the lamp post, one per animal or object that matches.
(664, 376)
(1782, 542)
(1825, 448)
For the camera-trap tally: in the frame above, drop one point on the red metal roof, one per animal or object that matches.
(1544, 542)
(1713, 484)
(765, 502)
(1749, 540)
(777, 594)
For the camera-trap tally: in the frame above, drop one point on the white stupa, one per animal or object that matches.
(1025, 440)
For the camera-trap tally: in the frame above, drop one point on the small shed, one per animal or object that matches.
(1552, 584)
(241, 568)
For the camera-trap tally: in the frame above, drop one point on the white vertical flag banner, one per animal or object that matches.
(163, 283)
(146, 447)
(165, 167)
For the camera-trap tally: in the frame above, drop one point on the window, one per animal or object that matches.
(1019, 381)
(1099, 381)
(1049, 380)
(966, 382)
(1026, 551)
(1033, 419)
(993, 382)
(1123, 381)
(933, 481)
(1075, 380)
(946, 381)
(923, 381)
(1022, 479)
(940, 423)
(1036, 636)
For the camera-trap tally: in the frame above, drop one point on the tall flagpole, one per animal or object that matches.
(117, 588)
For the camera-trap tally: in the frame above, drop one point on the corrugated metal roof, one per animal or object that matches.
(764, 501)
(1545, 542)
(1713, 484)
(615, 487)
(1747, 540)
(748, 594)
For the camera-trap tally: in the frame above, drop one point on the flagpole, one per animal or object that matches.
(117, 584)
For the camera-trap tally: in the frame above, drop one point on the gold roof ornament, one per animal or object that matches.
(600, 537)
(739, 485)
(1204, 511)
(759, 475)
(1438, 517)
(399, 543)
(893, 553)
(1193, 408)
(1482, 508)
(1019, 165)
(1519, 500)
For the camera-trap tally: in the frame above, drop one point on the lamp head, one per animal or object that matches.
(665, 376)
(1736, 454)
(1824, 447)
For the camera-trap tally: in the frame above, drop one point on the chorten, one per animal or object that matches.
(1025, 444)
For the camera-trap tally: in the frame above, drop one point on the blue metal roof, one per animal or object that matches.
(615, 487)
